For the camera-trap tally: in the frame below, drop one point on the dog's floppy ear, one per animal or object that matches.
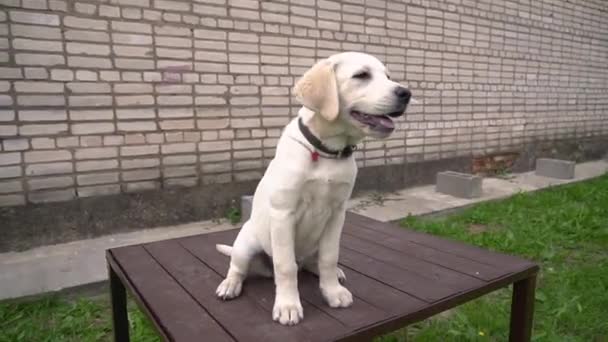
(318, 90)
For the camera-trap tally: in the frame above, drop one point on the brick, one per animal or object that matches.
(58, 5)
(175, 112)
(140, 175)
(85, 8)
(7, 115)
(90, 24)
(210, 56)
(38, 87)
(90, 101)
(134, 63)
(46, 156)
(131, 27)
(43, 143)
(555, 168)
(176, 124)
(42, 115)
(34, 18)
(131, 39)
(244, 68)
(181, 182)
(10, 158)
(87, 49)
(48, 169)
(97, 178)
(10, 186)
(62, 75)
(173, 42)
(87, 36)
(210, 67)
(11, 73)
(96, 165)
(178, 148)
(243, 37)
(52, 196)
(109, 11)
(37, 45)
(6, 100)
(170, 30)
(99, 190)
(10, 171)
(40, 129)
(139, 163)
(209, 10)
(173, 53)
(41, 100)
(171, 5)
(12, 200)
(18, 144)
(139, 150)
(180, 160)
(141, 186)
(172, 100)
(214, 146)
(50, 182)
(92, 128)
(459, 184)
(137, 126)
(89, 62)
(134, 100)
(86, 75)
(88, 87)
(89, 115)
(90, 141)
(95, 153)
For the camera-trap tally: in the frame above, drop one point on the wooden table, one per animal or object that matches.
(397, 277)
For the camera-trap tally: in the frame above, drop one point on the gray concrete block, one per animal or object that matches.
(246, 203)
(555, 168)
(459, 184)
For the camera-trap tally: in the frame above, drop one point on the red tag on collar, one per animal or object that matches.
(314, 155)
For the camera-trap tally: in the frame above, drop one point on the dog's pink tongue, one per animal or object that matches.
(386, 122)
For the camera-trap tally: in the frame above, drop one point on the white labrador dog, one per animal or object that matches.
(300, 204)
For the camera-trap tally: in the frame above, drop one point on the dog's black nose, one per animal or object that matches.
(403, 94)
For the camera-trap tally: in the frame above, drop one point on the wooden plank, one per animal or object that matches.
(407, 318)
(356, 316)
(500, 261)
(420, 287)
(179, 316)
(242, 317)
(418, 251)
(451, 279)
(316, 324)
(378, 294)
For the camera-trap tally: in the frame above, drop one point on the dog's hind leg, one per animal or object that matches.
(311, 265)
(260, 264)
(245, 248)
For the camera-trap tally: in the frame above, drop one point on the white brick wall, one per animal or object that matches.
(99, 98)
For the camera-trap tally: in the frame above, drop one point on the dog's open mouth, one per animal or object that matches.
(380, 123)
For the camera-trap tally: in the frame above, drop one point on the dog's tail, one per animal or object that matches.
(224, 249)
(260, 265)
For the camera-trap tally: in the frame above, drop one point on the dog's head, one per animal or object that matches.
(354, 88)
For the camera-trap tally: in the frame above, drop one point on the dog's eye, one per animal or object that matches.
(388, 76)
(363, 75)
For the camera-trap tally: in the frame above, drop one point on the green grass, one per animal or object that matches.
(54, 319)
(565, 229)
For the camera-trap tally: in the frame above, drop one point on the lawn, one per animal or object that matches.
(565, 229)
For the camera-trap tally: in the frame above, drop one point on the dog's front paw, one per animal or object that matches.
(337, 296)
(287, 311)
(229, 288)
